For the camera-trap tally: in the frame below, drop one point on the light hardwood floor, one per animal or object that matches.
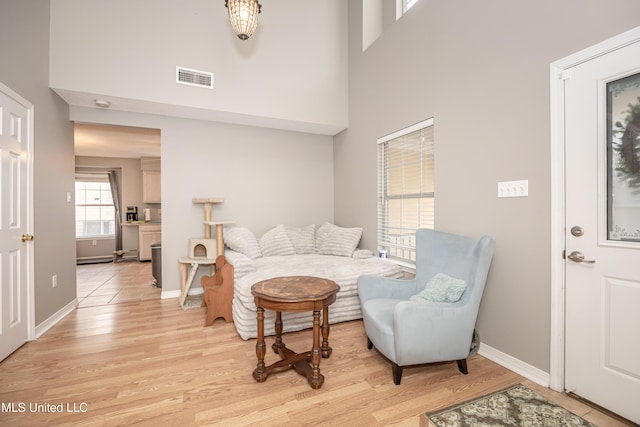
(149, 362)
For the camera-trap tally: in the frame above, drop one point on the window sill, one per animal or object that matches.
(407, 267)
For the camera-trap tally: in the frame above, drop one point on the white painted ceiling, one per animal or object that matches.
(97, 140)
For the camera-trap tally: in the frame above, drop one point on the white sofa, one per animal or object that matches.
(327, 251)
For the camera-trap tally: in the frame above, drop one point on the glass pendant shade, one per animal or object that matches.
(243, 15)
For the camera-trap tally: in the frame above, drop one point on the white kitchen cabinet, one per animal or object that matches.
(151, 192)
(148, 234)
(151, 167)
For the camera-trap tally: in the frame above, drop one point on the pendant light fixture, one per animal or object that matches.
(243, 15)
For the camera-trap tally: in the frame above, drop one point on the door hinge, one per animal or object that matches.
(565, 74)
(564, 254)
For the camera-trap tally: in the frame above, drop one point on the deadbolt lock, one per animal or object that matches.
(577, 231)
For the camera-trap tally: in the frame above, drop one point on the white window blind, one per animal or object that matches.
(406, 189)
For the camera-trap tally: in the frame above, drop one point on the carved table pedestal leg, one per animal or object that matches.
(259, 373)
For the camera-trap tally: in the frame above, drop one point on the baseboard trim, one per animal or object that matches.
(93, 261)
(169, 294)
(530, 372)
(176, 293)
(55, 318)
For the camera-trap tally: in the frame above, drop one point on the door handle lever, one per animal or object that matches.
(576, 256)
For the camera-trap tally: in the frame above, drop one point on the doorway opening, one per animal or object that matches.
(116, 166)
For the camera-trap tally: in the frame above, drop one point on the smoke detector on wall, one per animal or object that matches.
(102, 103)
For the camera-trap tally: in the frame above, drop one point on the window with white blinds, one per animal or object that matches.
(405, 189)
(95, 213)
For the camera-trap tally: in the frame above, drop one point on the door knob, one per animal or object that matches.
(26, 237)
(576, 256)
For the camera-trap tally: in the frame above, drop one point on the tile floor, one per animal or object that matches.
(114, 283)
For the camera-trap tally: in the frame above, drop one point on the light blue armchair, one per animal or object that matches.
(410, 332)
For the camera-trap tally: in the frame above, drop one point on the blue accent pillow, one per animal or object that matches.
(441, 288)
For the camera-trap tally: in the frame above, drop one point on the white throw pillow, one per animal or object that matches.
(441, 288)
(303, 239)
(322, 232)
(242, 240)
(362, 254)
(339, 241)
(276, 242)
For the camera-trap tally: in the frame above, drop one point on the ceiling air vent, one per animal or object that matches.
(194, 77)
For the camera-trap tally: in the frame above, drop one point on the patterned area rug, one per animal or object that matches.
(192, 301)
(513, 406)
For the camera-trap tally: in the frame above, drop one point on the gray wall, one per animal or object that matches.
(24, 67)
(293, 70)
(481, 69)
(265, 176)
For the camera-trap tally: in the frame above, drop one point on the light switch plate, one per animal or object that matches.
(513, 188)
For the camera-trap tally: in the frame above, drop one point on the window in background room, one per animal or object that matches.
(405, 189)
(95, 214)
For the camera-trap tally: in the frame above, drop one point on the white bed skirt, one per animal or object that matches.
(342, 270)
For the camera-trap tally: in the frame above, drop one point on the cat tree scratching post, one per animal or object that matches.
(208, 206)
(219, 236)
(186, 279)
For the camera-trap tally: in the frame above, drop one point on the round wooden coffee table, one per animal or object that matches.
(294, 293)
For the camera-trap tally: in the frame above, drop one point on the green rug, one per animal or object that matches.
(513, 406)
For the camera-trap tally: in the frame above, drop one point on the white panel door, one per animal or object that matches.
(15, 250)
(602, 125)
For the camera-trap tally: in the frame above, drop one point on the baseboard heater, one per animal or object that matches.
(94, 260)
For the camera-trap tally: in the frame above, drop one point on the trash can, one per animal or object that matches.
(156, 264)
